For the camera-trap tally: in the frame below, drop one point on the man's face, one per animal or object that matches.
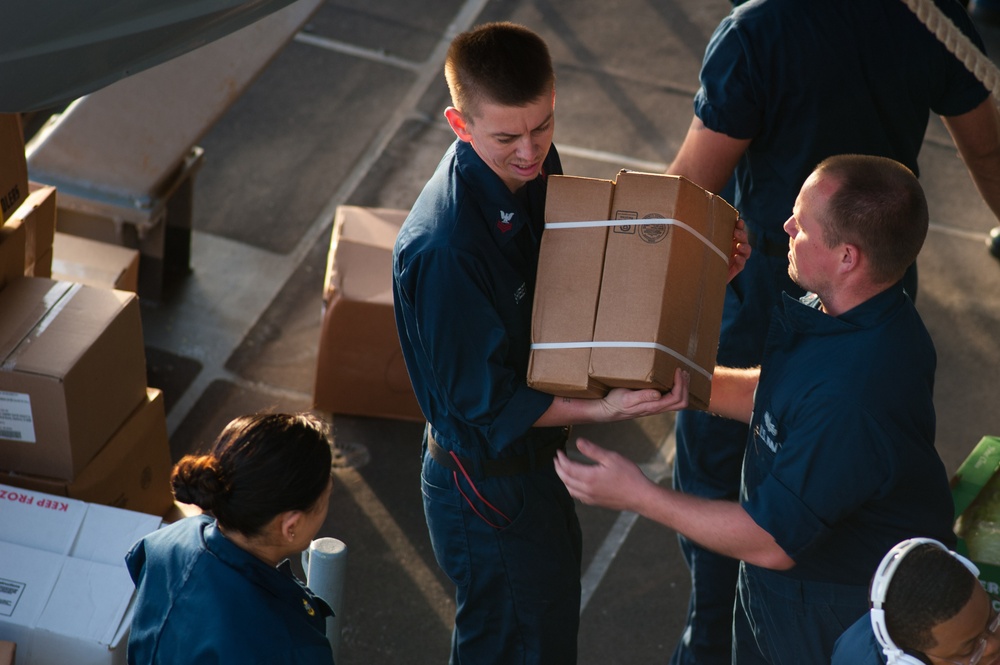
(958, 639)
(811, 264)
(512, 140)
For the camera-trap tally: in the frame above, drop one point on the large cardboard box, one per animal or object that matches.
(571, 267)
(131, 471)
(73, 369)
(65, 594)
(95, 263)
(13, 165)
(975, 490)
(661, 291)
(360, 368)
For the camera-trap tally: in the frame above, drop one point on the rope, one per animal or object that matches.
(957, 43)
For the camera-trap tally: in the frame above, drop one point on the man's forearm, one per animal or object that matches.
(733, 391)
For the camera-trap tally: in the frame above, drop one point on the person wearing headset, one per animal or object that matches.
(927, 607)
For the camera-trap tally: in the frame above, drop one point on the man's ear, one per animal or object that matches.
(850, 258)
(457, 122)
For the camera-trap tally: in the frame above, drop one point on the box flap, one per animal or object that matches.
(55, 339)
(359, 262)
(17, 331)
(38, 520)
(88, 601)
(107, 533)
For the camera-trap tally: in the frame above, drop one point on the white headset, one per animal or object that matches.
(880, 586)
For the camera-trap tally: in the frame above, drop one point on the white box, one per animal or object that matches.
(65, 594)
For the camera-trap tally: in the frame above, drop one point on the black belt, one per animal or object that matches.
(539, 455)
(767, 247)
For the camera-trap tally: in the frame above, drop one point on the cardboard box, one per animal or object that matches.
(38, 214)
(95, 263)
(662, 286)
(12, 242)
(571, 267)
(73, 369)
(132, 471)
(65, 594)
(13, 165)
(975, 490)
(360, 368)
(7, 652)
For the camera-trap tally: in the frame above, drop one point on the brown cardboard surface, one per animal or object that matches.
(8, 650)
(95, 263)
(360, 368)
(13, 165)
(663, 287)
(132, 470)
(39, 214)
(42, 267)
(72, 369)
(570, 267)
(12, 241)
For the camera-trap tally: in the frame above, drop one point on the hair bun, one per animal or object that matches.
(198, 480)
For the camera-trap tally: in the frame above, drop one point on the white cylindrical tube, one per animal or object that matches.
(325, 564)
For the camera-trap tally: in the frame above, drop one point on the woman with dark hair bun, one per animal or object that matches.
(217, 587)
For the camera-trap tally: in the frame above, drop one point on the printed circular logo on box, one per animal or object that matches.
(653, 233)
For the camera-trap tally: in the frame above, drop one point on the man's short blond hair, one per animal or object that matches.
(500, 63)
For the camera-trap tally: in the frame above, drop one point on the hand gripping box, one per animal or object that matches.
(72, 370)
(662, 286)
(65, 594)
(360, 368)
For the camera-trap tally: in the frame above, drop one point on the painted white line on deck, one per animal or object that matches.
(357, 51)
(656, 469)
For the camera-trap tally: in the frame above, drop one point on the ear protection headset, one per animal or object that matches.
(880, 586)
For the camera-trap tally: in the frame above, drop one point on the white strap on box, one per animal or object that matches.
(541, 346)
(660, 221)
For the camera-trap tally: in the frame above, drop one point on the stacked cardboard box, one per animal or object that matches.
(96, 263)
(67, 595)
(76, 417)
(626, 295)
(360, 368)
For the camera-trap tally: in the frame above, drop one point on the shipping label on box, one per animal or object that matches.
(568, 285)
(13, 165)
(665, 273)
(360, 368)
(72, 369)
(65, 594)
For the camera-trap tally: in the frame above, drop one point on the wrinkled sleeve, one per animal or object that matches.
(465, 347)
(727, 101)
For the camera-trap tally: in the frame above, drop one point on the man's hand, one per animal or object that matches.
(740, 251)
(624, 404)
(613, 482)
